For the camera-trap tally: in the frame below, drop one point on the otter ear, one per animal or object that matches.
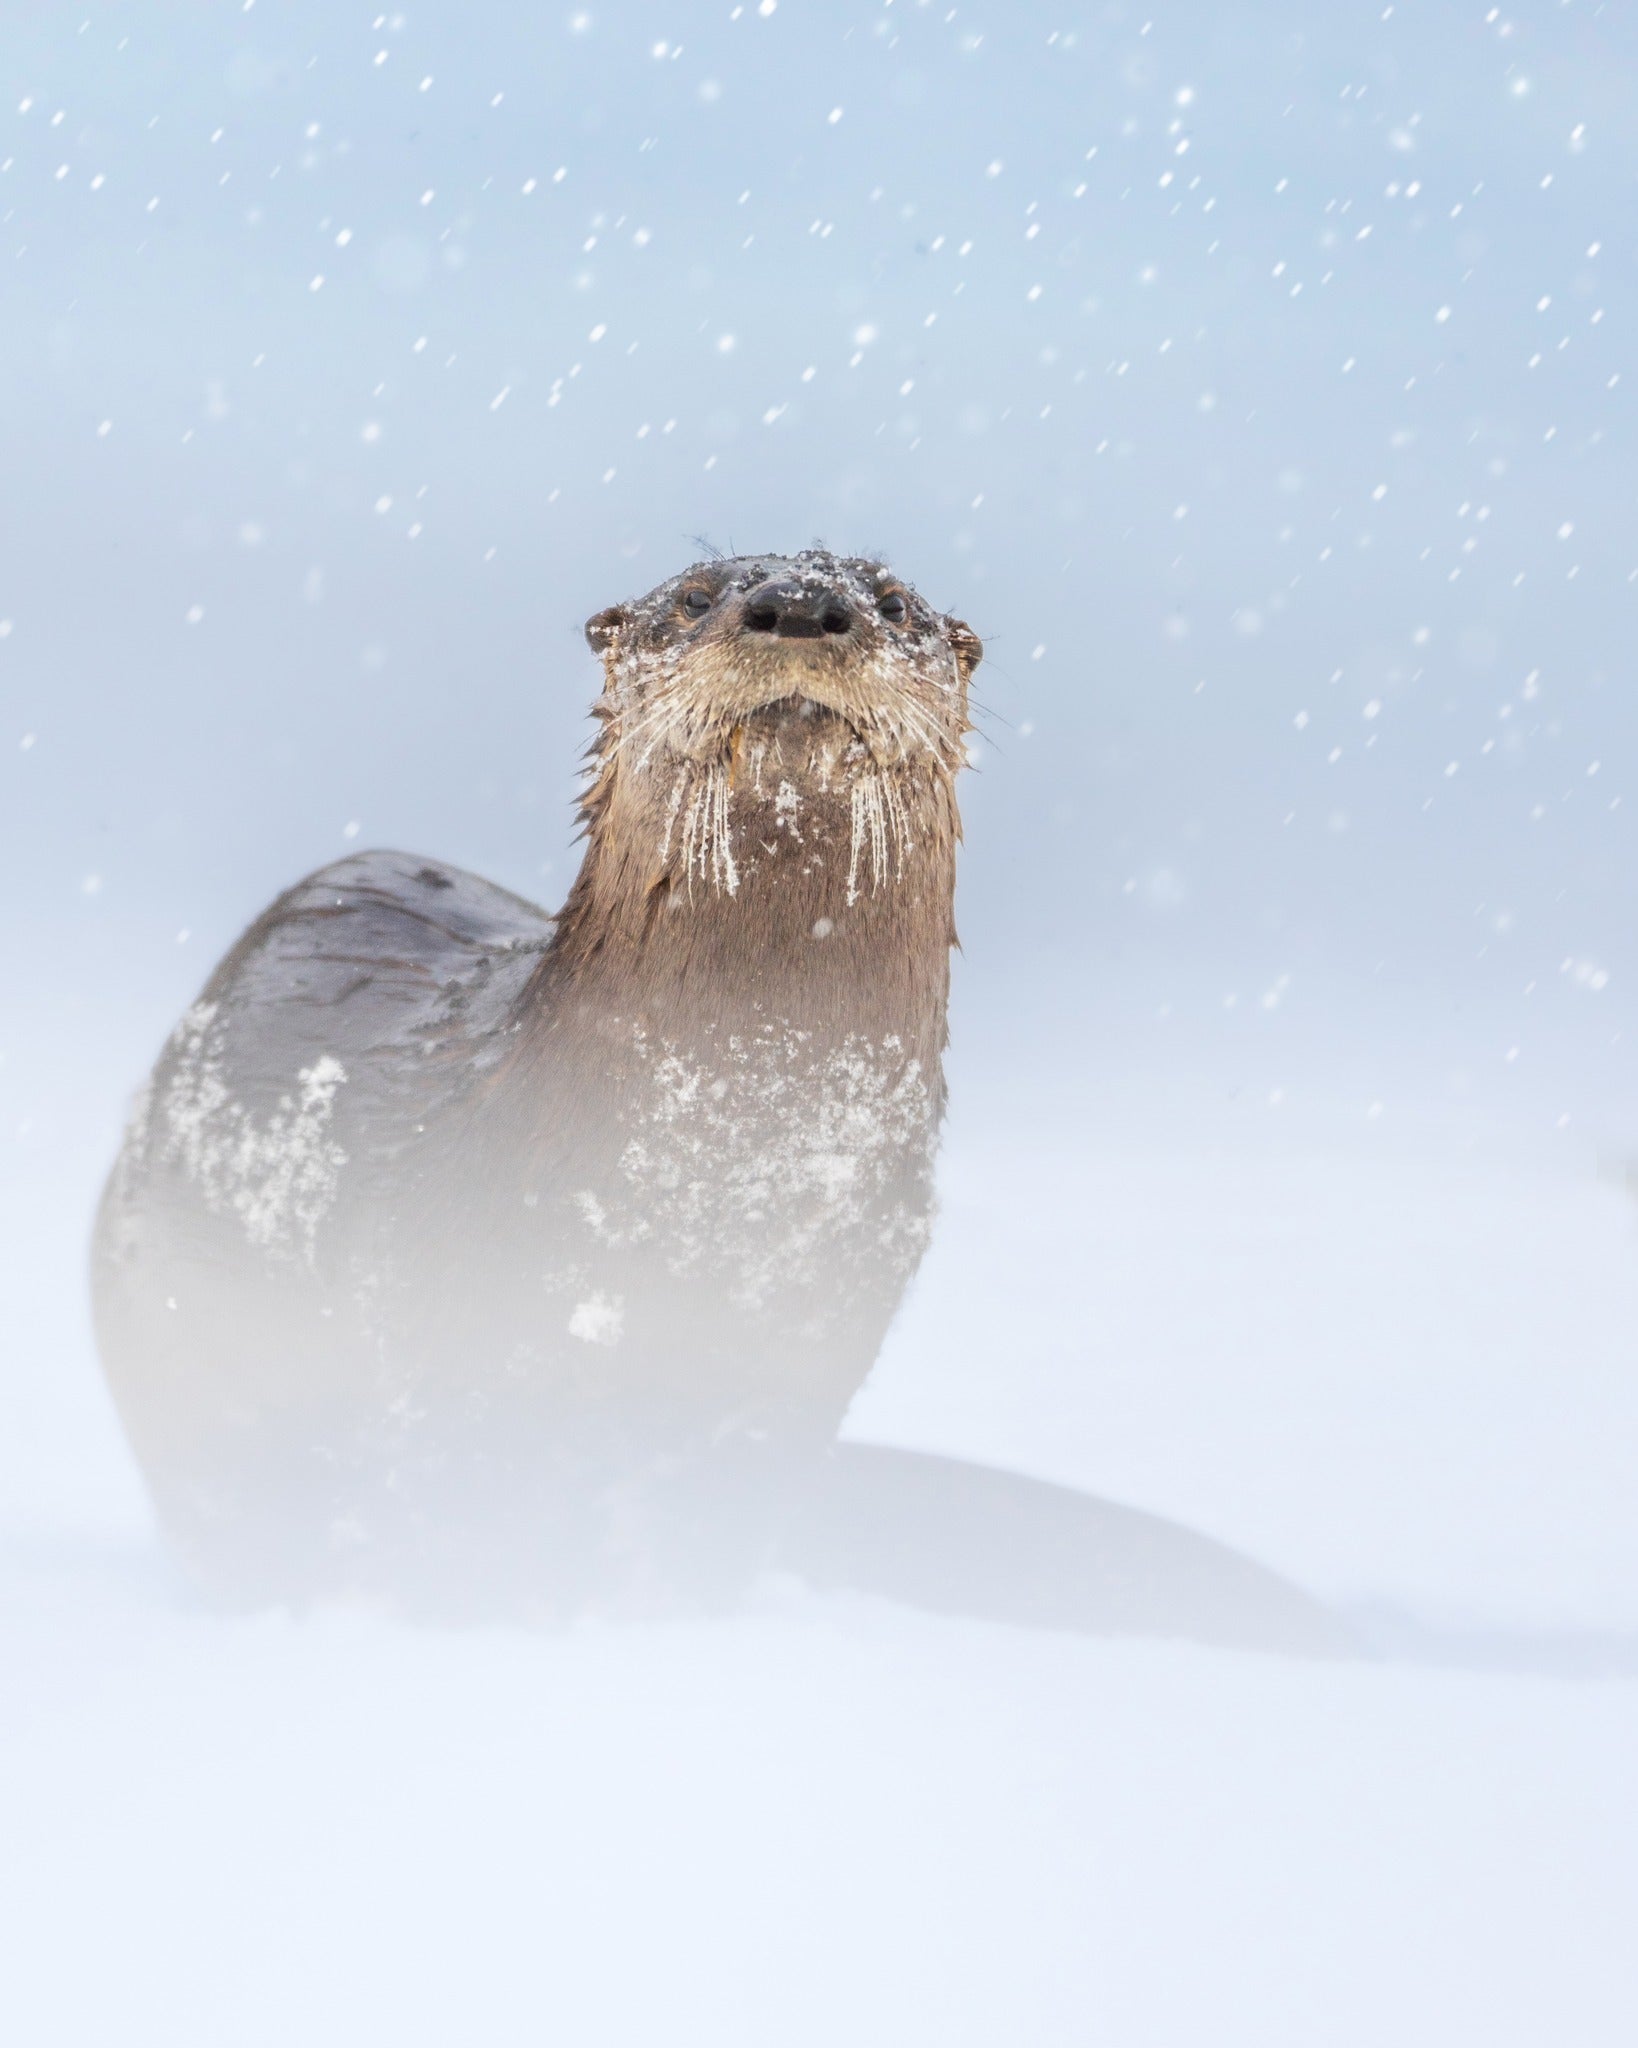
(603, 629)
(965, 645)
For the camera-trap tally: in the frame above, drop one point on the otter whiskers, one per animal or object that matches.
(878, 811)
(708, 838)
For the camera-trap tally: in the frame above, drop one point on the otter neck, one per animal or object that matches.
(735, 902)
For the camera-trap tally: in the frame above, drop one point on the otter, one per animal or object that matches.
(469, 1255)
(444, 1221)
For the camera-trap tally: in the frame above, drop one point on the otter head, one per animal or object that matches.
(804, 681)
(780, 640)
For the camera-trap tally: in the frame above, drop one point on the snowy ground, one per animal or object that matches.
(1394, 1366)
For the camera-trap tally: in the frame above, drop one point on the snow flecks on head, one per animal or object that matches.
(278, 1176)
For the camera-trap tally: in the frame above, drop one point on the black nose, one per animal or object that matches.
(795, 611)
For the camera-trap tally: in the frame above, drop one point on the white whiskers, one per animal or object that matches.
(878, 814)
(708, 836)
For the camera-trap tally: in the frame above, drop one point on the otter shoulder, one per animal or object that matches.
(353, 1012)
(381, 950)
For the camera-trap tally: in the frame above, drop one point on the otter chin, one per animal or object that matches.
(461, 1251)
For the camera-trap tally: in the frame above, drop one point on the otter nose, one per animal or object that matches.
(796, 611)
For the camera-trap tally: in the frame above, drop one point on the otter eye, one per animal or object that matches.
(696, 603)
(894, 608)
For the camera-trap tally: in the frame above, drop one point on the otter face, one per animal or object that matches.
(800, 652)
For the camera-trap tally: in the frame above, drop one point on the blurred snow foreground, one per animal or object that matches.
(1398, 1377)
